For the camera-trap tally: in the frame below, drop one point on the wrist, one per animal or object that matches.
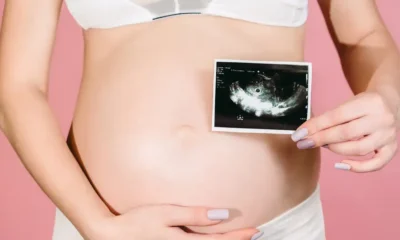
(389, 92)
(93, 225)
(391, 96)
(97, 229)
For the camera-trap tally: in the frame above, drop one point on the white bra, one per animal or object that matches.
(115, 13)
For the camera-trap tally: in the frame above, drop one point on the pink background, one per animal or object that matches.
(356, 206)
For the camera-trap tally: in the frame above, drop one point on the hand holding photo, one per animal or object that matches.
(261, 97)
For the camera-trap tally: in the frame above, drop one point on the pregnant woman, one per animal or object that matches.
(141, 162)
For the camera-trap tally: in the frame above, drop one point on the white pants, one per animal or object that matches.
(303, 222)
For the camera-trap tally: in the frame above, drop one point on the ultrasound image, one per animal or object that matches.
(262, 96)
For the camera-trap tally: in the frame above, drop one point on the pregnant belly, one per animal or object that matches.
(143, 134)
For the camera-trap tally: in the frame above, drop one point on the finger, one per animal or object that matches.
(344, 113)
(242, 234)
(365, 145)
(346, 132)
(174, 215)
(341, 133)
(383, 156)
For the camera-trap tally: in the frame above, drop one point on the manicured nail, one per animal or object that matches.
(299, 134)
(218, 214)
(305, 144)
(257, 236)
(342, 166)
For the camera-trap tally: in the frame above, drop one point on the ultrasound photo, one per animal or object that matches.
(261, 97)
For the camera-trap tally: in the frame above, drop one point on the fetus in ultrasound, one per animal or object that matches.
(267, 96)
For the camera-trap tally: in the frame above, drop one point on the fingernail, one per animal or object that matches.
(342, 166)
(218, 214)
(305, 144)
(257, 236)
(299, 134)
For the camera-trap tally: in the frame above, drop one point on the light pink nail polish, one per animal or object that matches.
(299, 134)
(305, 144)
(257, 235)
(342, 166)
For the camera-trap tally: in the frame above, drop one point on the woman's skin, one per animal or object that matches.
(368, 122)
(141, 129)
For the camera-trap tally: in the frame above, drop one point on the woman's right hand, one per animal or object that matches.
(164, 222)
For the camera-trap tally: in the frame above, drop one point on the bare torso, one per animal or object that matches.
(142, 125)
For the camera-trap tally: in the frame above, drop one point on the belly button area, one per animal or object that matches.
(185, 132)
(185, 136)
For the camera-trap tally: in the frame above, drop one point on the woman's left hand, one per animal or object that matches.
(365, 124)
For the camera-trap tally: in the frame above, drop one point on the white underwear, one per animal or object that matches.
(303, 222)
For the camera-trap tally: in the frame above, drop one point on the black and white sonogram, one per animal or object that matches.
(261, 97)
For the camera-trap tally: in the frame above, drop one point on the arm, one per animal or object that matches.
(369, 56)
(26, 42)
(369, 122)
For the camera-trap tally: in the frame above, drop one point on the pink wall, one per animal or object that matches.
(357, 207)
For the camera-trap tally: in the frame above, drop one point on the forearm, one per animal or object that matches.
(368, 53)
(31, 128)
(373, 64)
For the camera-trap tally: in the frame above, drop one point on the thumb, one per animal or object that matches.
(243, 234)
